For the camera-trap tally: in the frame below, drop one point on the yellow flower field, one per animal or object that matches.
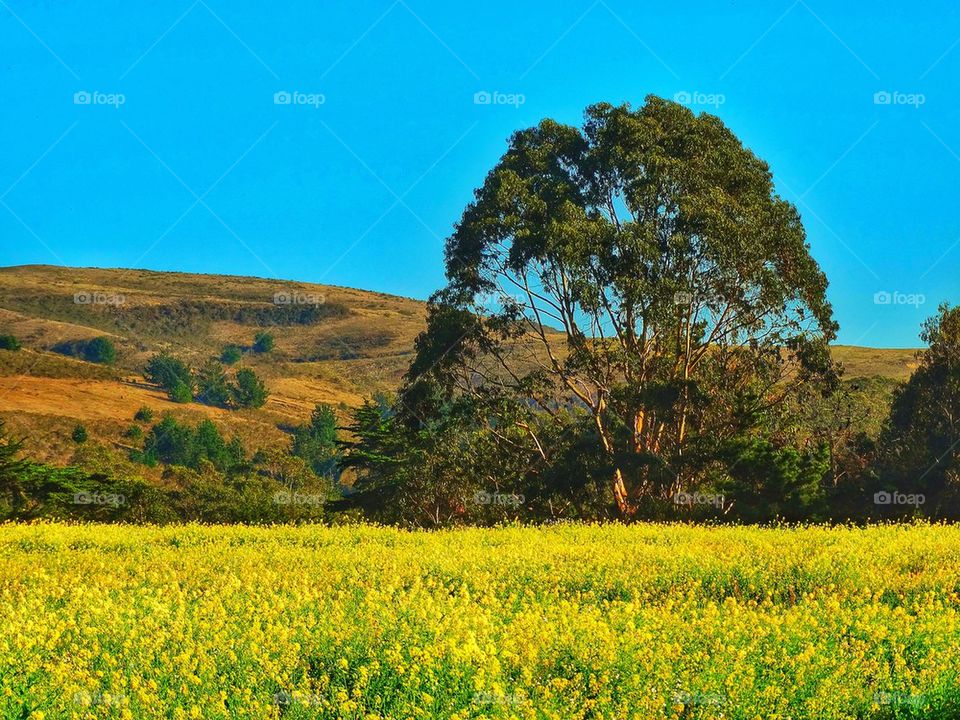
(565, 622)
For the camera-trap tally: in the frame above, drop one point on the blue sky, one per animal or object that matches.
(200, 170)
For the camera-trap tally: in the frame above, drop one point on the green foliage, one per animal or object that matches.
(764, 482)
(9, 342)
(919, 450)
(635, 289)
(11, 470)
(434, 474)
(173, 443)
(172, 374)
(203, 495)
(212, 385)
(100, 350)
(263, 342)
(144, 414)
(79, 434)
(134, 432)
(249, 391)
(231, 355)
(181, 393)
(316, 442)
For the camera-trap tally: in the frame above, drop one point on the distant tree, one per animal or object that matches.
(181, 393)
(263, 342)
(169, 442)
(212, 385)
(766, 481)
(231, 355)
(316, 442)
(249, 390)
(9, 342)
(292, 472)
(442, 472)
(144, 414)
(919, 450)
(173, 443)
(79, 434)
(172, 374)
(100, 350)
(12, 493)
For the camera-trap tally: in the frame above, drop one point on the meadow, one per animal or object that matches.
(565, 622)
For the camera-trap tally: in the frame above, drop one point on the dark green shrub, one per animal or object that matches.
(144, 414)
(172, 374)
(212, 386)
(263, 342)
(231, 355)
(9, 342)
(249, 391)
(100, 350)
(181, 393)
(79, 434)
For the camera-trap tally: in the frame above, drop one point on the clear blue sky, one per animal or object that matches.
(199, 170)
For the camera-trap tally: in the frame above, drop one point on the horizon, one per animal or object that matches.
(309, 145)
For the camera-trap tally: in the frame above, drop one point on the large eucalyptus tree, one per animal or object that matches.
(640, 270)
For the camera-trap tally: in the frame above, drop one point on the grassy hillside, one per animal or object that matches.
(334, 345)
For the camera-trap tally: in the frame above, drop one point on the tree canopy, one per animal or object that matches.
(640, 272)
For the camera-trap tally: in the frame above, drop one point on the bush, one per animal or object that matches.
(212, 386)
(172, 374)
(79, 434)
(9, 342)
(181, 393)
(231, 355)
(134, 432)
(263, 342)
(144, 414)
(172, 443)
(100, 350)
(249, 392)
(316, 442)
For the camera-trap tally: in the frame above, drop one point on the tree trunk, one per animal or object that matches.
(620, 494)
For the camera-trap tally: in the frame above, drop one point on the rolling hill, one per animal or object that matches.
(334, 345)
